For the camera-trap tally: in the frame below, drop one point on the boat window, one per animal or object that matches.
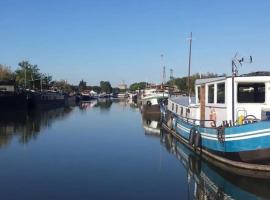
(198, 93)
(176, 108)
(182, 111)
(251, 93)
(172, 106)
(221, 93)
(210, 93)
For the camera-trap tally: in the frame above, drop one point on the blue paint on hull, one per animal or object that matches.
(248, 137)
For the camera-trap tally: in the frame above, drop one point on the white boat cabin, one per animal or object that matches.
(214, 100)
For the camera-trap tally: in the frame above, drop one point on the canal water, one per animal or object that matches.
(107, 150)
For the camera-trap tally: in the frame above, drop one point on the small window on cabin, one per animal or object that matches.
(182, 111)
(211, 94)
(221, 93)
(172, 106)
(176, 108)
(198, 93)
(251, 93)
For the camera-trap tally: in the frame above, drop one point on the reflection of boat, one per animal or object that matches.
(206, 181)
(151, 124)
(88, 104)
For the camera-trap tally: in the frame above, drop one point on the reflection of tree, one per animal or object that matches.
(27, 125)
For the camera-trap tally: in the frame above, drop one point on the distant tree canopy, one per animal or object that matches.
(105, 86)
(137, 86)
(30, 76)
(96, 89)
(182, 83)
(6, 73)
(116, 90)
(82, 85)
(63, 86)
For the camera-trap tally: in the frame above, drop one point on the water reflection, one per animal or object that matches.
(205, 181)
(26, 125)
(151, 124)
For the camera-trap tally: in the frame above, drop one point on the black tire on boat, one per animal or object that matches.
(192, 135)
(198, 140)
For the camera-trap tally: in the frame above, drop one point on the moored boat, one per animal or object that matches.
(228, 117)
(46, 99)
(11, 98)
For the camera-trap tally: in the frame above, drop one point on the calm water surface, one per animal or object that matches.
(106, 150)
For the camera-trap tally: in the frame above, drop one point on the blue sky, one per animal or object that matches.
(119, 40)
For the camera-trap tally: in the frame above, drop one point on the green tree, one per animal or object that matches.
(63, 86)
(182, 83)
(96, 89)
(27, 74)
(137, 86)
(82, 85)
(105, 86)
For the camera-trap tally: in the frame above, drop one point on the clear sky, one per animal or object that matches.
(119, 40)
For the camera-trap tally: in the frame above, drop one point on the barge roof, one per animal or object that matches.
(183, 100)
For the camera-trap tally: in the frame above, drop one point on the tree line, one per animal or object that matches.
(182, 83)
(29, 76)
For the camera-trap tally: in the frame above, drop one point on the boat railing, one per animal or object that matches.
(200, 122)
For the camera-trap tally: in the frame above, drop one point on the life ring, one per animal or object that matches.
(149, 103)
(213, 117)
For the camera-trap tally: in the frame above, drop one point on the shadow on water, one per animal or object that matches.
(27, 125)
(205, 181)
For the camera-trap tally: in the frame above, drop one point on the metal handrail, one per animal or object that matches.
(186, 119)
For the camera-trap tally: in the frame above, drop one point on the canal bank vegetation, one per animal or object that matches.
(28, 76)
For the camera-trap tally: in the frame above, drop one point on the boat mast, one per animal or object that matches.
(189, 64)
(235, 63)
(234, 69)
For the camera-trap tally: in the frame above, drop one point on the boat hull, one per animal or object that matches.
(13, 101)
(246, 143)
(44, 101)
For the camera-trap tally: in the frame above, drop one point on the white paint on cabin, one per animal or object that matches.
(223, 110)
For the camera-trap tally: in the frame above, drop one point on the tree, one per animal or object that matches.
(82, 85)
(27, 74)
(63, 86)
(96, 89)
(6, 73)
(182, 83)
(137, 86)
(105, 86)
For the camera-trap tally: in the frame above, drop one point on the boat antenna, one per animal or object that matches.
(236, 63)
(189, 64)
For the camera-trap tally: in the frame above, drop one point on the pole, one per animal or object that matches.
(189, 64)
(233, 75)
(24, 77)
